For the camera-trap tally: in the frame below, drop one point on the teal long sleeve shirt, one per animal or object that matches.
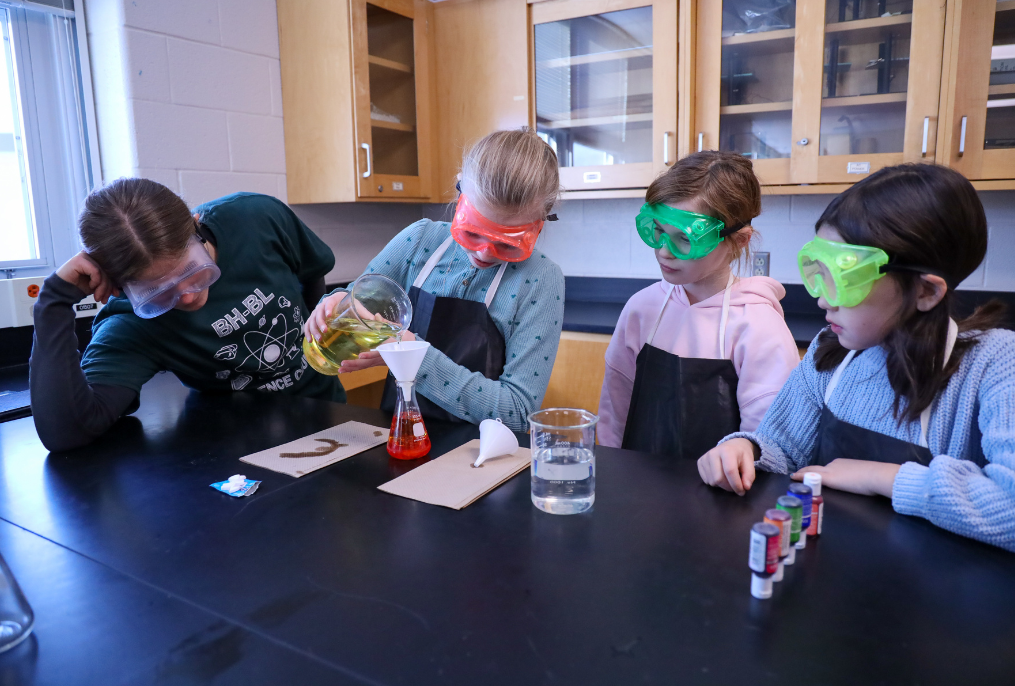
(528, 310)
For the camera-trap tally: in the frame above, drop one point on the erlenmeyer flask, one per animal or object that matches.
(16, 616)
(408, 439)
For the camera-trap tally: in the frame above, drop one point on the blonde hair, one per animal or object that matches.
(513, 169)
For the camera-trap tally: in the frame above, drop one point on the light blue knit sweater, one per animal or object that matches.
(952, 492)
(528, 310)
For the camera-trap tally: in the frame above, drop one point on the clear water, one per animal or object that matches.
(563, 479)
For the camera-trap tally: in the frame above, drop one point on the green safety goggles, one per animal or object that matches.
(687, 235)
(843, 273)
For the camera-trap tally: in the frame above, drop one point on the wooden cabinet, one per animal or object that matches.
(356, 93)
(604, 89)
(817, 91)
(978, 110)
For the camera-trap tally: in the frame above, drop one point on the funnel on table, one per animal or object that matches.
(495, 440)
(408, 438)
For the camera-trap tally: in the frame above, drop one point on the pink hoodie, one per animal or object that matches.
(763, 350)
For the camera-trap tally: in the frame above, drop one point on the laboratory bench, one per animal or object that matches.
(140, 573)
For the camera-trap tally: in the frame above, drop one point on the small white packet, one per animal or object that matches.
(237, 486)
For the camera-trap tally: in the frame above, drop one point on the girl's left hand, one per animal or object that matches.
(370, 358)
(855, 476)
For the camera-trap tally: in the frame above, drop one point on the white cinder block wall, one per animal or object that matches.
(189, 93)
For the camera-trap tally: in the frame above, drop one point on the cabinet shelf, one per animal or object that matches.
(761, 37)
(389, 64)
(608, 56)
(858, 100)
(1002, 88)
(392, 126)
(596, 121)
(1005, 5)
(868, 30)
(757, 107)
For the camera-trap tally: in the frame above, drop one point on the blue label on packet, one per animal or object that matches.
(248, 487)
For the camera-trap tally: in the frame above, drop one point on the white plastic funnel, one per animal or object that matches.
(495, 440)
(404, 359)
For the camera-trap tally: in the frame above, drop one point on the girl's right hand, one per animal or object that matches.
(83, 272)
(729, 466)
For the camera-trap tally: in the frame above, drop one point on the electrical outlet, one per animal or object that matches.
(759, 264)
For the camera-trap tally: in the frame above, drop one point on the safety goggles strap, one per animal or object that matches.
(895, 267)
(727, 230)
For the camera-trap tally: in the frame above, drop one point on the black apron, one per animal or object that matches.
(682, 406)
(837, 438)
(461, 329)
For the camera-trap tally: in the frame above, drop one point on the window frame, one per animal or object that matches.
(57, 238)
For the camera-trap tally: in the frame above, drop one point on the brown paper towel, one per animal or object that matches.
(320, 449)
(453, 482)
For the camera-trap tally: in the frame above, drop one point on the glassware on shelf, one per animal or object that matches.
(1000, 124)
(390, 44)
(594, 87)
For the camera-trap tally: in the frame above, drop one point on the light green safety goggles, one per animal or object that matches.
(687, 235)
(843, 273)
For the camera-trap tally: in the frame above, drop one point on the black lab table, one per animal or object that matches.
(140, 573)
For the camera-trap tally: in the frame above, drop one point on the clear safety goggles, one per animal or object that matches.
(687, 235)
(195, 272)
(473, 231)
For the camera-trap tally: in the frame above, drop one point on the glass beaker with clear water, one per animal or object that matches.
(563, 459)
(16, 616)
(375, 310)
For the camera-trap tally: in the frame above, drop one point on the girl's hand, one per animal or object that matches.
(317, 322)
(369, 359)
(84, 273)
(855, 476)
(729, 466)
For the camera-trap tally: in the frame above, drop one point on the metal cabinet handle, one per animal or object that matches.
(666, 148)
(962, 137)
(366, 146)
(926, 133)
(701, 141)
(803, 141)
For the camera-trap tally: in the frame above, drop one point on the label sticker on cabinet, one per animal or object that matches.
(858, 167)
(396, 186)
(592, 177)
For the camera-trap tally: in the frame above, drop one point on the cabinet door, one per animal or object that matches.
(819, 91)
(879, 89)
(390, 59)
(743, 98)
(978, 136)
(605, 75)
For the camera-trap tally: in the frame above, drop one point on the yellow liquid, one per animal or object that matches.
(344, 339)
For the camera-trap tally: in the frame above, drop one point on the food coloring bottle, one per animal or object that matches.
(804, 494)
(794, 508)
(813, 480)
(763, 558)
(784, 521)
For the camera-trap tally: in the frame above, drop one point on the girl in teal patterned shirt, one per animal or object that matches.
(490, 305)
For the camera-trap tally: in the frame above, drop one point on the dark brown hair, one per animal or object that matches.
(131, 223)
(924, 216)
(723, 181)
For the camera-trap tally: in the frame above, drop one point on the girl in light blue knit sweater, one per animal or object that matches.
(895, 398)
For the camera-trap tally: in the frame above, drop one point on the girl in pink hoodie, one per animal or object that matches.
(702, 353)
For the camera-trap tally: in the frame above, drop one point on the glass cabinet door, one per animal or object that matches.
(389, 74)
(979, 139)
(875, 111)
(596, 101)
(756, 84)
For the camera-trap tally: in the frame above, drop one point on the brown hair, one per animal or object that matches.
(924, 216)
(723, 181)
(131, 223)
(513, 169)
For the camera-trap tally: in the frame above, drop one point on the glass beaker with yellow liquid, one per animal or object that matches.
(374, 310)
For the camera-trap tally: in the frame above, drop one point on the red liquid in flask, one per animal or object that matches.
(408, 439)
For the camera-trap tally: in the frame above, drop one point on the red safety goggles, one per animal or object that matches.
(473, 231)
